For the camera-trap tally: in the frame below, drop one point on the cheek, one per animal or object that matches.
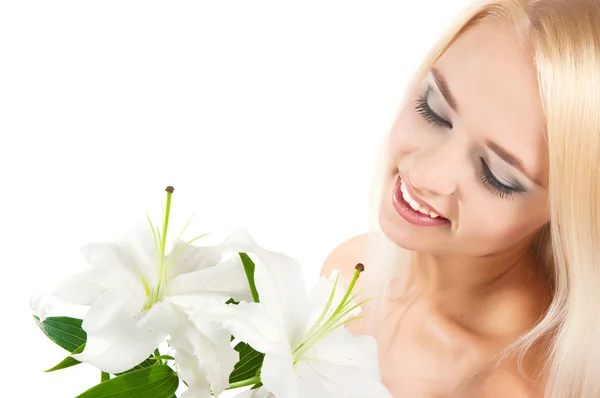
(504, 233)
(500, 227)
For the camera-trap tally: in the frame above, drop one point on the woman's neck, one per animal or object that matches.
(468, 280)
(503, 294)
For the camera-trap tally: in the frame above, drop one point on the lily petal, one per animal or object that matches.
(279, 281)
(120, 333)
(189, 371)
(343, 348)
(42, 304)
(192, 303)
(129, 261)
(311, 383)
(343, 382)
(277, 375)
(215, 357)
(225, 280)
(80, 289)
(248, 322)
(260, 392)
(348, 364)
(184, 258)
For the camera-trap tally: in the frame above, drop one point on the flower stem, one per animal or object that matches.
(157, 356)
(163, 357)
(248, 382)
(104, 377)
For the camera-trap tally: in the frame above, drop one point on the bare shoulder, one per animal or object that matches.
(526, 381)
(510, 383)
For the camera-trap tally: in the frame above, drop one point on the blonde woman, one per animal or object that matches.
(485, 265)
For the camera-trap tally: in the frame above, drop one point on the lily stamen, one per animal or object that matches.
(156, 291)
(344, 308)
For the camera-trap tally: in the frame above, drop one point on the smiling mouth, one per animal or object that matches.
(416, 206)
(412, 210)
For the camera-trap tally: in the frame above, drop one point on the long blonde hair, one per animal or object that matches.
(565, 38)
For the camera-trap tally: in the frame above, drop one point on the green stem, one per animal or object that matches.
(104, 377)
(161, 357)
(248, 382)
(157, 354)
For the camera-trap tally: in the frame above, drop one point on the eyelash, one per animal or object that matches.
(423, 109)
(486, 175)
(493, 184)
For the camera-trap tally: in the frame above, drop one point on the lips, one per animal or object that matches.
(420, 204)
(407, 211)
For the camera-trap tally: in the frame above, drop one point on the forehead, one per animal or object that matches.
(493, 79)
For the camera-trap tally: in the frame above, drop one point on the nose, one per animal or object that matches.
(436, 169)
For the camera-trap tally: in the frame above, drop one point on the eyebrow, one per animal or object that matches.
(505, 155)
(511, 160)
(442, 84)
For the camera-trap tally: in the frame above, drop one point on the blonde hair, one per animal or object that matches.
(565, 39)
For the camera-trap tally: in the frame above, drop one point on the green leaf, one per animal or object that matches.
(249, 268)
(64, 331)
(158, 381)
(68, 361)
(249, 364)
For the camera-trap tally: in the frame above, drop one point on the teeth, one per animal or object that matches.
(414, 204)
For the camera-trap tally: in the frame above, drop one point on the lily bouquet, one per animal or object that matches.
(226, 316)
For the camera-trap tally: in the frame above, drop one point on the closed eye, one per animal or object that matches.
(422, 107)
(494, 185)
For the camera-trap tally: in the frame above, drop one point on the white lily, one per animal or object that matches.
(138, 296)
(308, 351)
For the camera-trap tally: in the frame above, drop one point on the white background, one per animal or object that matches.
(261, 114)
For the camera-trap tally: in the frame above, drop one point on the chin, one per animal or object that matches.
(400, 232)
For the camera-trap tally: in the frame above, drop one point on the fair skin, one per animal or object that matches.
(474, 285)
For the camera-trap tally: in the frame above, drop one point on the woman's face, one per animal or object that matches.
(470, 144)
